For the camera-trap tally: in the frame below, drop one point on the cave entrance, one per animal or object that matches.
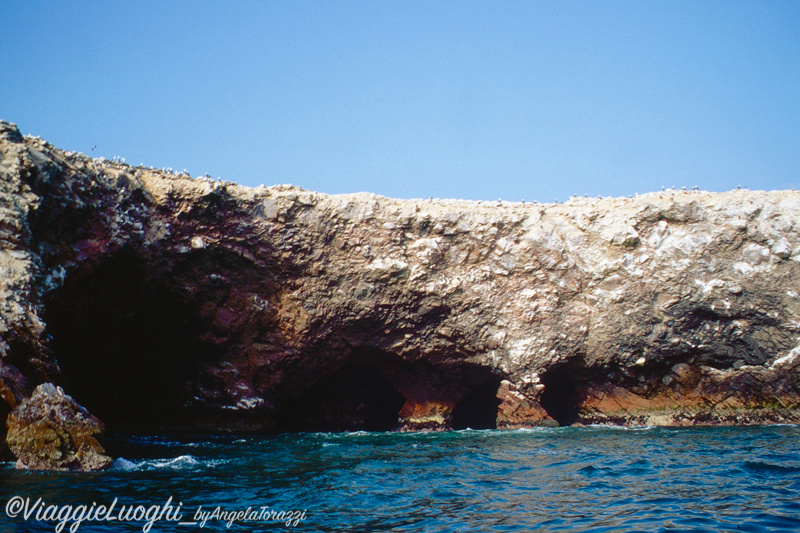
(561, 397)
(352, 398)
(478, 408)
(125, 345)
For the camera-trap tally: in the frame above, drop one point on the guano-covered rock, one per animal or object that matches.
(165, 302)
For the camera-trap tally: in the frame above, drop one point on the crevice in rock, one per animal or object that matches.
(354, 397)
(127, 345)
(28, 359)
(478, 408)
(562, 394)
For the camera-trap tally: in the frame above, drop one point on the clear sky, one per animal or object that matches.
(411, 99)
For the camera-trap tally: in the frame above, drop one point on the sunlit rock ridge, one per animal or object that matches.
(159, 301)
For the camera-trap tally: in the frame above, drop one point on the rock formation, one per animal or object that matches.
(162, 301)
(50, 431)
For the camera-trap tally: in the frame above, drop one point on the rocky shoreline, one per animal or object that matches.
(162, 302)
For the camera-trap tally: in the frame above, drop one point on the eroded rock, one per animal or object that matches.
(517, 410)
(50, 431)
(427, 415)
(166, 302)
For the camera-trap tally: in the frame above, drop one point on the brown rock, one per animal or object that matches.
(173, 302)
(50, 431)
(426, 415)
(518, 411)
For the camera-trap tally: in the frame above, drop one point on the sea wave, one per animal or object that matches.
(182, 462)
(538, 479)
(762, 466)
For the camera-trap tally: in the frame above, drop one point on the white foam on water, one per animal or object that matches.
(181, 462)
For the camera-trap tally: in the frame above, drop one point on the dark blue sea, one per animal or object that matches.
(561, 479)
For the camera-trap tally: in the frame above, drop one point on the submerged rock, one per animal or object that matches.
(167, 302)
(50, 431)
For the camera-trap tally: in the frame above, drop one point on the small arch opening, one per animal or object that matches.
(561, 397)
(352, 398)
(478, 408)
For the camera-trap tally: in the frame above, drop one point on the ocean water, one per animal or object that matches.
(560, 479)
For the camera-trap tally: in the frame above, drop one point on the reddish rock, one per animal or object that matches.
(14, 388)
(518, 411)
(426, 415)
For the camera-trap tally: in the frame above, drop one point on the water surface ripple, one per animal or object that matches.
(565, 479)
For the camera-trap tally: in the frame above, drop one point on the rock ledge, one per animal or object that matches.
(163, 303)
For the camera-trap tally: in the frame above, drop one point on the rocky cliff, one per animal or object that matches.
(161, 301)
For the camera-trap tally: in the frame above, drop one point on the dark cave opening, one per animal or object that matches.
(352, 398)
(478, 408)
(131, 350)
(561, 397)
(125, 345)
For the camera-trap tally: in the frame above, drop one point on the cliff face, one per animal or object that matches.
(157, 300)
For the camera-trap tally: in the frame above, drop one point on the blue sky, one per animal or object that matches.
(477, 100)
